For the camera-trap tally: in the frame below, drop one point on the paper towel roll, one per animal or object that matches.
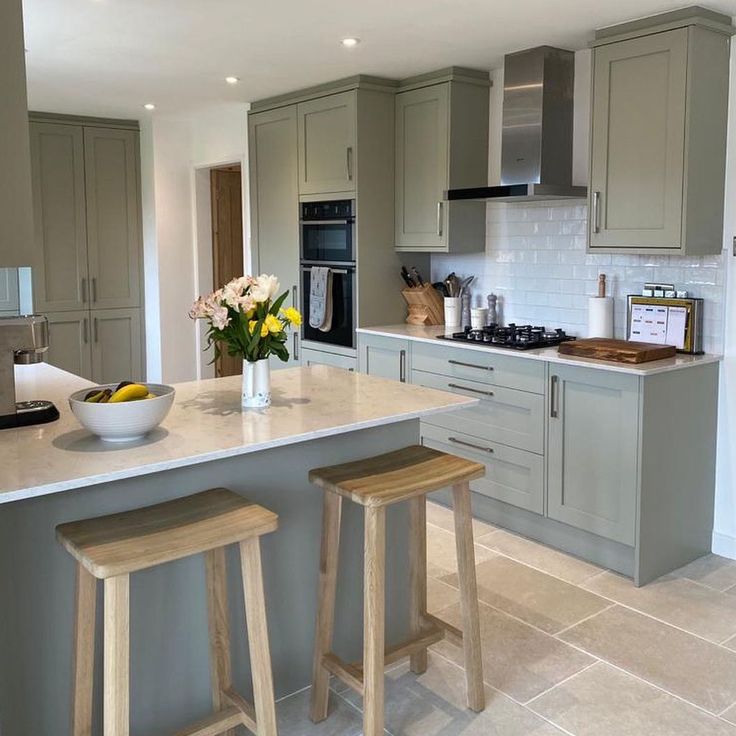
(600, 316)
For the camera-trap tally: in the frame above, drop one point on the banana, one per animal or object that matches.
(129, 393)
(93, 397)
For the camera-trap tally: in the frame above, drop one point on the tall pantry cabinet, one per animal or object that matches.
(88, 278)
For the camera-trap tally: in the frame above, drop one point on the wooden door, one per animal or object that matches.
(113, 217)
(227, 243)
(69, 342)
(274, 204)
(593, 450)
(60, 276)
(422, 161)
(638, 142)
(327, 150)
(116, 345)
(385, 357)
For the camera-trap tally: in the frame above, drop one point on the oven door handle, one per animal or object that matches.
(343, 221)
(334, 270)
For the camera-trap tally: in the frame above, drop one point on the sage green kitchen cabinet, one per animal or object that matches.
(441, 143)
(384, 357)
(69, 342)
(658, 140)
(274, 205)
(60, 275)
(116, 345)
(311, 357)
(327, 144)
(9, 292)
(593, 450)
(113, 217)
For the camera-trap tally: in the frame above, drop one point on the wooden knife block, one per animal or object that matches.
(425, 305)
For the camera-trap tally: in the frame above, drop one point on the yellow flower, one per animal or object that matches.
(249, 315)
(273, 324)
(252, 326)
(293, 315)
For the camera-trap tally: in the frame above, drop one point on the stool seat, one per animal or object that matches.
(396, 476)
(122, 543)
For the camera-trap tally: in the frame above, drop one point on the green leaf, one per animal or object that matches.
(277, 304)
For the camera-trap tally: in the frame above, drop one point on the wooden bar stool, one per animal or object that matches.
(111, 547)
(405, 475)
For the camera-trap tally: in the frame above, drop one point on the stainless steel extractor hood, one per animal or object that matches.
(536, 139)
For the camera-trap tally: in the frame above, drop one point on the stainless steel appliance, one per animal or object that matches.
(327, 231)
(23, 341)
(511, 337)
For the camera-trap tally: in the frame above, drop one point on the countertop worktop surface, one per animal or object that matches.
(420, 333)
(206, 423)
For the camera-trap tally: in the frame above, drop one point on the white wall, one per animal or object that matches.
(176, 145)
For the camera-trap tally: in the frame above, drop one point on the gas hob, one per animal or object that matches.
(512, 337)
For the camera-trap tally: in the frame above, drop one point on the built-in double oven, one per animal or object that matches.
(327, 235)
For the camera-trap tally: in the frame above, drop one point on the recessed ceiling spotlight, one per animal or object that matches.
(232, 80)
(149, 106)
(349, 43)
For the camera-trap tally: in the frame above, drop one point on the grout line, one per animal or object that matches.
(728, 638)
(561, 682)
(720, 715)
(360, 710)
(582, 620)
(291, 695)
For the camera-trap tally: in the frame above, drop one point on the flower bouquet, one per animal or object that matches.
(246, 320)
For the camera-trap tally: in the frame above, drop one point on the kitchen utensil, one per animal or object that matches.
(440, 286)
(417, 276)
(405, 276)
(425, 305)
(465, 283)
(620, 351)
(124, 421)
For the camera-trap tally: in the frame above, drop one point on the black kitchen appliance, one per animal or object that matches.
(327, 231)
(342, 331)
(511, 337)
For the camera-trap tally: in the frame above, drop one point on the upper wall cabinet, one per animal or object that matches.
(658, 137)
(441, 143)
(327, 144)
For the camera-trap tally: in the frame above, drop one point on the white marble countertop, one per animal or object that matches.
(205, 423)
(550, 355)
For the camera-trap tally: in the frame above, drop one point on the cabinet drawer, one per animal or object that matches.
(512, 476)
(492, 368)
(504, 415)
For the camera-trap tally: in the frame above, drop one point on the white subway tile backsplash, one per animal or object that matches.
(536, 262)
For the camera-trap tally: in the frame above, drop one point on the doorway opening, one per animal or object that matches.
(226, 198)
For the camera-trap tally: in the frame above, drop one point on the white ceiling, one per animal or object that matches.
(108, 57)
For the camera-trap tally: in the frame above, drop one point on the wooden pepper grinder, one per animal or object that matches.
(601, 285)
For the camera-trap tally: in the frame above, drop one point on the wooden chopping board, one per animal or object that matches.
(622, 351)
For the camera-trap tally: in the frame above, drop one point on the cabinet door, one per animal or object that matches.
(593, 450)
(9, 296)
(274, 205)
(60, 278)
(116, 345)
(638, 142)
(385, 357)
(422, 150)
(113, 217)
(317, 357)
(327, 160)
(69, 342)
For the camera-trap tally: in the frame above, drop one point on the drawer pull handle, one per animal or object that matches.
(470, 444)
(402, 366)
(554, 398)
(472, 390)
(471, 365)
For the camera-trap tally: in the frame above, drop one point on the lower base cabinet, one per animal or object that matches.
(102, 345)
(319, 357)
(385, 357)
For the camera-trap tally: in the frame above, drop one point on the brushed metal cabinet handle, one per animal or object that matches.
(294, 297)
(84, 290)
(440, 218)
(595, 215)
(472, 390)
(296, 346)
(349, 158)
(94, 289)
(85, 330)
(470, 444)
(402, 366)
(96, 330)
(554, 408)
(471, 365)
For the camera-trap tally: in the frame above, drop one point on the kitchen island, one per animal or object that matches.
(59, 472)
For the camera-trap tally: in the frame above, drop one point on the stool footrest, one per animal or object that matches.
(247, 711)
(451, 633)
(430, 635)
(215, 724)
(351, 675)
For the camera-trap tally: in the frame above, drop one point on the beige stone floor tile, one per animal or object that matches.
(442, 517)
(518, 660)
(730, 714)
(540, 599)
(433, 704)
(678, 601)
(711, 570)
(603, 701)
(292, 714)
(440, 595)
(441, 554)
(691, 668)
(537, 555)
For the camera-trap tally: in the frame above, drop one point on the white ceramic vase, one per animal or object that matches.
(256, 384)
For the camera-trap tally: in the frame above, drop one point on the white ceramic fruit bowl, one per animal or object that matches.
(124, 421)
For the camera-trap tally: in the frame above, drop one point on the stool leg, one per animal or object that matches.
(84, 652)
(468, 596)
(374, 600)
(117, 656)
(328, 563)
(219, 628)
(260, 657)
(418, 575)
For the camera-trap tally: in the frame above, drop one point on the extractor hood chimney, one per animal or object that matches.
(536, 139)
